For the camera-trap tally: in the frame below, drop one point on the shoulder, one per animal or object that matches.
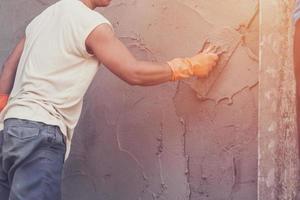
(103, 33)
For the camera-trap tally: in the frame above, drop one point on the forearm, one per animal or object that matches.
(9, 69)
(151, 73)
(7, 79)
(6, 82)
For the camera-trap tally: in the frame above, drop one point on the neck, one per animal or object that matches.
(89, 4)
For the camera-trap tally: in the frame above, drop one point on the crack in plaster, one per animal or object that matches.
(134, 158)
(234, 178)
(137, 42)
(243, 30)
(184, 143)
(187, 158)
(160, 148)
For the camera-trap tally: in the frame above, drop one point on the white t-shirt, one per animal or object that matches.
(55, 69)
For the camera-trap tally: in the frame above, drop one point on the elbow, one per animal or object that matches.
(134, 82)
(134, 75)
(134, 78)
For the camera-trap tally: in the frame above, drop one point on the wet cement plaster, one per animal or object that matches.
(164, 142)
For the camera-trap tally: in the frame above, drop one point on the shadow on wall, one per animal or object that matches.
(164, 142)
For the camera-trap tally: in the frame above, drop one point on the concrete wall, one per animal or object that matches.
(278, 164)
(172, 141)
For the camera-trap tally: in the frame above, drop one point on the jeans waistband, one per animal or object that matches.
(29, 123)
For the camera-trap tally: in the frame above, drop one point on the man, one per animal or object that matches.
(42, 85)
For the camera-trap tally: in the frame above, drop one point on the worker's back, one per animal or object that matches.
(55, 69)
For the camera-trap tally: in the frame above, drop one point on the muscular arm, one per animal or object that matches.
(9, 69)
(117, 58)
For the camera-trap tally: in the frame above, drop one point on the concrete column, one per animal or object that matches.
(277, 138)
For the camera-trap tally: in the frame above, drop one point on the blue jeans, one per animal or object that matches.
(31, 160)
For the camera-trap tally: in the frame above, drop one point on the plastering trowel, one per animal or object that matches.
(227, 40)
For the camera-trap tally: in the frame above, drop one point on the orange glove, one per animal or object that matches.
(199, 65)
(3, 101)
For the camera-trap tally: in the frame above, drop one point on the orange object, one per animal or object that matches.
(3, 101)
(199, 65)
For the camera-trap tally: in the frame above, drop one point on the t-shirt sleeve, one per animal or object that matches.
(81, 26)
(296, 14)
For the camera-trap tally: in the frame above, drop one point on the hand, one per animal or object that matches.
(3, 101)
(199, 65)
(204, 62)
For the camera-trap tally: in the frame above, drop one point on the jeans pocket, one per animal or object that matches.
(22, 132)
(62, 139)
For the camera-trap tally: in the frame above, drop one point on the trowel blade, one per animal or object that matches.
(227, 40)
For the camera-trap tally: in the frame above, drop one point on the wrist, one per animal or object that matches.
(181, 68)
(173, 71)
